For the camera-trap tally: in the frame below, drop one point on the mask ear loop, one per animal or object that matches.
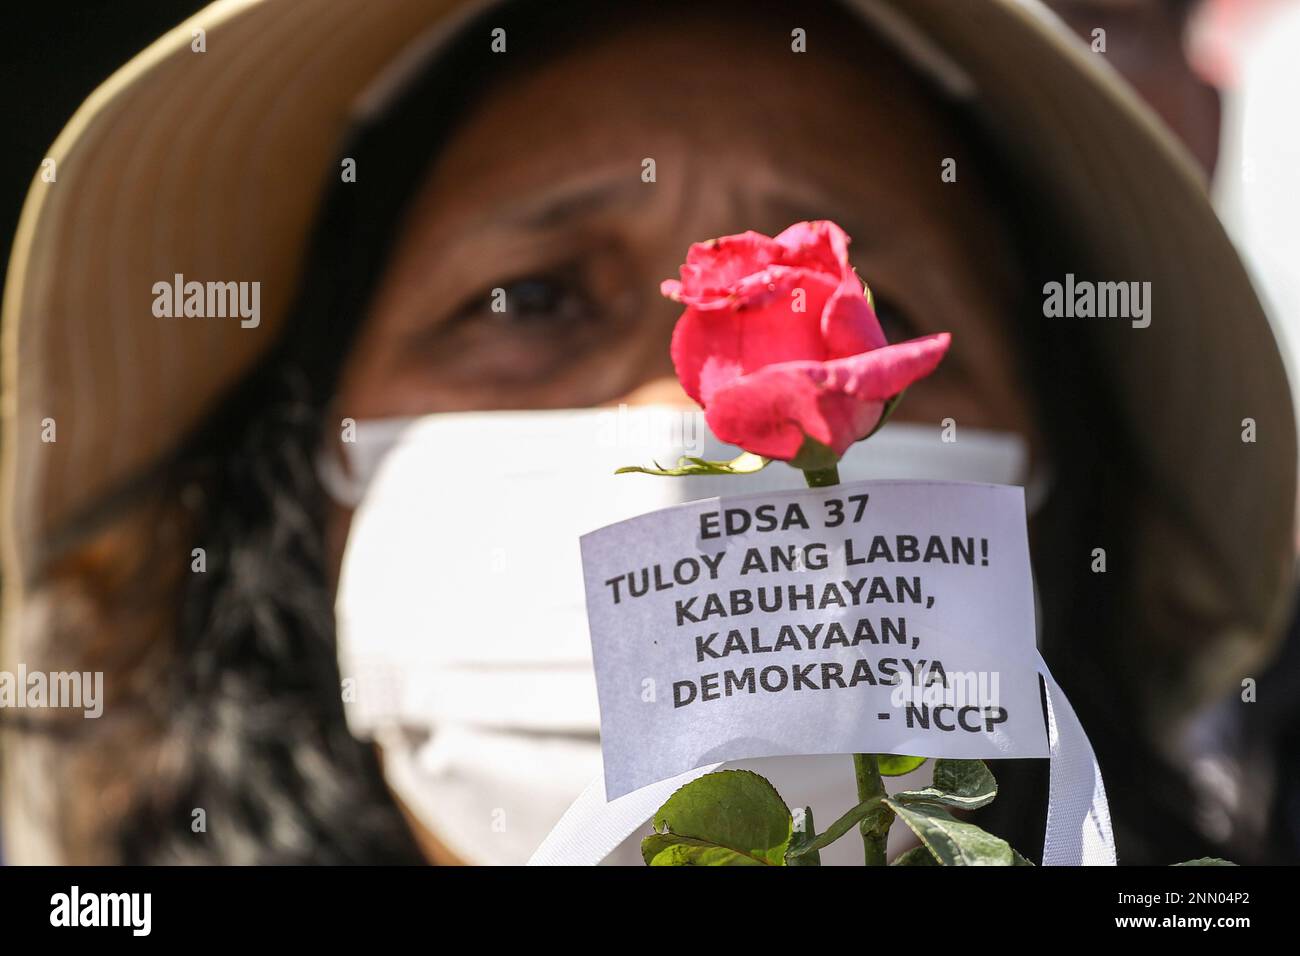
(344, 489)
(345, 473)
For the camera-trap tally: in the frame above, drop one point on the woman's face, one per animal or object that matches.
(541, 194)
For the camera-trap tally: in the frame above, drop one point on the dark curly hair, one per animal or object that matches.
(256, 695)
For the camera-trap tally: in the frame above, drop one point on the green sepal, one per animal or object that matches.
(743, 464)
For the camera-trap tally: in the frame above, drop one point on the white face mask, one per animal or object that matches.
(461, 619)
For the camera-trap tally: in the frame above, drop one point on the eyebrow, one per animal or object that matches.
(553, 210)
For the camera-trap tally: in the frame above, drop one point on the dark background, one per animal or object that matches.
(51, 59)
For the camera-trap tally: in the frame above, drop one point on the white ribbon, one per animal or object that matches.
(1078, 817)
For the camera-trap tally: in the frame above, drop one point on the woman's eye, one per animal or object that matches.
(535, 301)
(535, 296)
(521, 331)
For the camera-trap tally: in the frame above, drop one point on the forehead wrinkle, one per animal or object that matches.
(700, 204)
(569, 202)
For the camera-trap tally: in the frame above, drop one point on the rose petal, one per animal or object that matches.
(849, 324)
(712, 268)
(710, 347)
(781, 282)
(769, 411)
(819, 244)
(884, 372)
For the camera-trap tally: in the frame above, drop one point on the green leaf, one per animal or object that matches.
(1206, 861)
(800, 838)
(742, 464)
(892, 765)
(726, 818)
(961, 784)
(917, 856)
(953, 842)
(1018, 860)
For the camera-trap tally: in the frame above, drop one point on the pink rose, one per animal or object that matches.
(779, 344)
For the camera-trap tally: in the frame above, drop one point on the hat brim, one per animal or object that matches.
(209, 166)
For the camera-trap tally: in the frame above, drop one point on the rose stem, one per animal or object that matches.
(822, 478)
(866, 769)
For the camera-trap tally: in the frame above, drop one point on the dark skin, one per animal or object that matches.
(540, 193)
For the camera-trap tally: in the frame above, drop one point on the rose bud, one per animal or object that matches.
(780, 345)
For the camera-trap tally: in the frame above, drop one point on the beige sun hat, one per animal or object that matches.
(210, 164)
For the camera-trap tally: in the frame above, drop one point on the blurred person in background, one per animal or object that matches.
(521, 170)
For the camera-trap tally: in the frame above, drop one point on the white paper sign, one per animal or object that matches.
(875, 617)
